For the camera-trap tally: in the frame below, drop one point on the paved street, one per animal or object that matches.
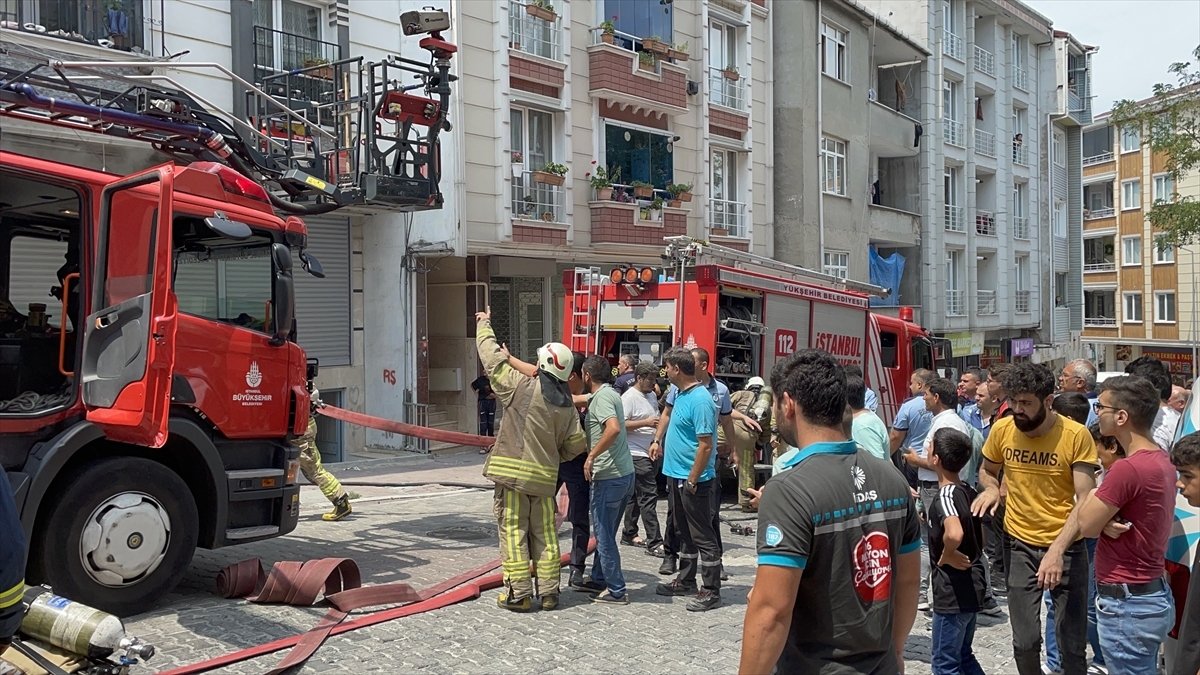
(422, 535)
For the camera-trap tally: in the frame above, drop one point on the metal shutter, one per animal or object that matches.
(783, 312)
(323, 305)
(34, 263)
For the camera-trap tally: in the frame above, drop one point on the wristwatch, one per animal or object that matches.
(655, 442)
(691, 486)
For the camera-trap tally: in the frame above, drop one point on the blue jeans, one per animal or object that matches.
(609, 498)
(951, 648)
(1052, 660)
(1132, 629)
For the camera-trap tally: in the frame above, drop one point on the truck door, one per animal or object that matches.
(129, 338)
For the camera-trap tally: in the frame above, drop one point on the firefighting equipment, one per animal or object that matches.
(527, 532)
(315, 473)
(78, 628)
(555, 358)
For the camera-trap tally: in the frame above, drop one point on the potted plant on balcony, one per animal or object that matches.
(518, 163)
(646, 61)
(528, 206)
(680, 192)
(551, 174)
(730, 73)
(655, 45)
(718, 231)
(608, 30)
(325, 73)
(642, 189)
(678, 53)
(542, 9)
(652, 211)
(602, 179)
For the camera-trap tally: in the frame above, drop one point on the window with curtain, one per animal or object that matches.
(640, 155)
(532, 135)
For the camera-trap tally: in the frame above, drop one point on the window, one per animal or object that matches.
(1133, 307)
(640, 155)
(289, 35)
(1097, 198)
(1018, 49)
(1060, 289)
(1100, 308)
(532, 138)
(1060, 218)
(1164, 188)
(1022, 273)
(1131, 139)
(228, 283)
(950, 17)
(641, 18)
(950, 98)
(953, 268)
(1163, 252)
(833, 166)
(728, 209)
(1098, 142)
(1164, 307)
(723, 41)
(837, 263)
(1131, 251)
(1020, 116)
(1131, 195)
(834, 57)
(1020, 200)
(1058, 148)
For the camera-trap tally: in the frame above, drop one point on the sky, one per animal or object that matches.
(1138, 39)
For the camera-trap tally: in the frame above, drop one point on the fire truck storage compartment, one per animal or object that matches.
(739, 344)
(40, 236)
(639, 327)
(787, 327)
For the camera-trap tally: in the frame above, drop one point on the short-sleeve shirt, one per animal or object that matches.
(843, 516)
(624, 381)
(947, 419)
(1142, 489)
(1163, 430)
(721, 399)
(639, 406)
(693, 414)
(1041, 485)
(482, 387)
(615, 462)
(870, 432)
(956, 591)
(914, 419)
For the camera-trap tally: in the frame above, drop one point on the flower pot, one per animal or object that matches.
(516, 46)
(541, 12)
(607, 38)
(675, 204)
(517, 169)
(648, 67)
(646, 192)
(655, 47)
(603, 194)
(676, 55)
(547, 178)
(548, 217)
(731, 75)
(719, 232)
(684, 196)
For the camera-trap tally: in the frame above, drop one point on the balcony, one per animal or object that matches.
(277, 54)
(1020, 227)
(985, 302)
(1089, 214)
(537, 201)
(985, 223)
(985, 143)
(952, 46)
(955, 219)
(618, 74)
(114, 24)
(531, 32)
(1020, 155)
(955, 302)
(952, 132)
(892, 132)
(1022, 302)
(725, 92)
(984, 61)
(1098, 159)
(894, 226)
(1103, 266)
(631, 223)
(1020, 77)
(1099, 322)
(727, 215)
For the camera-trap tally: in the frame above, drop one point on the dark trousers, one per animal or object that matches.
(487, 417)
(993, 534)
(698, 547)
(1070, 598)
(716, 508)
(644, 504)
(579, 491)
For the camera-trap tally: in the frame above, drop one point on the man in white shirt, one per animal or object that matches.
(641, 418)
(941, 400)
(1163, 431)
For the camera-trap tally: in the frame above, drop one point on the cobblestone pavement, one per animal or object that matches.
(422, 535)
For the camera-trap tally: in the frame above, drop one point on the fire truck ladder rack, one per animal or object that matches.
(690, 252)
(588, 282)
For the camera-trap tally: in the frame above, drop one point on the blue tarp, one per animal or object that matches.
(886, 272)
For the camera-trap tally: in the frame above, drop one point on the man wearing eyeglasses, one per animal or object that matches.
(1080, 376)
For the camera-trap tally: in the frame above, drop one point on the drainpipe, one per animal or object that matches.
(820, 139)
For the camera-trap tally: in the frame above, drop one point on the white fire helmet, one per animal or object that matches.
(555, 358)
(755, 382)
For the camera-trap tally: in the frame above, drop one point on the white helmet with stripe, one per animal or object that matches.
(555, 358)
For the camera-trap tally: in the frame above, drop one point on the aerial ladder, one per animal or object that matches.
(363, 137)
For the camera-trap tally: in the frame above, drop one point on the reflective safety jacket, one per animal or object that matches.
(12, 563)
(534, 436)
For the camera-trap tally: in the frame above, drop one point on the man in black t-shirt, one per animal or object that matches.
(487, 406)
(838, 541)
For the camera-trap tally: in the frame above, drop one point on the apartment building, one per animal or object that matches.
(1001, 101)
(847, 170)
(1138, 296)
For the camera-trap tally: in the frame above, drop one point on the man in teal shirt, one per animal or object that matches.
(609, 468)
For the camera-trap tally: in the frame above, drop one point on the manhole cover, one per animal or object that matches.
(464, 533)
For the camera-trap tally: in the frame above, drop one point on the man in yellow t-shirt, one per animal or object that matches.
(1049, 463)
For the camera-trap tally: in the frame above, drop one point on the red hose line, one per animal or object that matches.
(440, 435)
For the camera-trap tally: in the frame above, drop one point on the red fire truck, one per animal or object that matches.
(748, 312)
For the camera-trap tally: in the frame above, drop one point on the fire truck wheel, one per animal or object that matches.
(120, 535)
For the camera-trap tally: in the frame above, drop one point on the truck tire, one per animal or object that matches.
(120, 535)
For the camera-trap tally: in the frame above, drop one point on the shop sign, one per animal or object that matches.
(1021, 347)
(1177, 361)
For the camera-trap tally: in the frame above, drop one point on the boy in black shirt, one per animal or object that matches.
(955, 545)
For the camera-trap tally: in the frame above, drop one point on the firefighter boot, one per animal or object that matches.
(549, 602)
(341, 509)
(523, 605)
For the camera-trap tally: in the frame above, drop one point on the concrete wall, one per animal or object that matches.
(796, 141)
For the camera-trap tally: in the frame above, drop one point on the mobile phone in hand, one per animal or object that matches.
(747, 494)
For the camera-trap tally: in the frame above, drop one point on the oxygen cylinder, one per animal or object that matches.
(762, 403)
(70, 625)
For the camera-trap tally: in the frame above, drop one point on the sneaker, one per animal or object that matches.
(704, 601)
(1095, 669)
(341, 509)
(576, 579)
(675, 588)
(669, 565)
(549, 602)
(1046, 670)
(608, 598)
(990, 607)
(589, 586)
(523, 605)
(923, 606)
(628, 541)
(724, 574)
(657, 552)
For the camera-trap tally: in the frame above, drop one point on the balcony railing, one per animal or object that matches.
(724, 91)
(985, 302)
(1020, 77)
(1022, 302)
(278, 53)
(115, 24)
(1098, 159)
(952, 131)
(532, 34)
(985, 143)
(952, 46)
(954, 302)
(954, 218)
(728, 215)
(536, 201)
(1020, 155)
(1099, 321)
(1020, 227)
(1089, 214)
(985, 223)
(1105, 266)
(984, 61)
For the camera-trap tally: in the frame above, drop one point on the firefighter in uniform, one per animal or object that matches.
(540, 429)
(12, 565)
(755, 403)
(310, 466)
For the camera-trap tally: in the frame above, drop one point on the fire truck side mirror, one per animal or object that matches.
(284, 297)
(312, 265)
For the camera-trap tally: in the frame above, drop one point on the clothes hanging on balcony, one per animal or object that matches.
(886, 272)
(979, 109)
(117, 22)
(918, 131)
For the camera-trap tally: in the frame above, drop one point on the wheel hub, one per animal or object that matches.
(125, 539)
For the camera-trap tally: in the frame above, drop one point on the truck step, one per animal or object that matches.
(252, 532)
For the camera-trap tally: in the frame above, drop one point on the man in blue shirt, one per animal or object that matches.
(1080, 375)
(689, 462)
(908, 431)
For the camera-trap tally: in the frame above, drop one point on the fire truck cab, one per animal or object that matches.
(748, 312)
